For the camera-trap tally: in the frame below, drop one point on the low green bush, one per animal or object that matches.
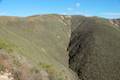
(5, 45)
(2, 68)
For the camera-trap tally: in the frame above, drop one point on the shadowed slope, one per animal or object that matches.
(94, 49)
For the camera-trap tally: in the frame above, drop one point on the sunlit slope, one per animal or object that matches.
(42, 40)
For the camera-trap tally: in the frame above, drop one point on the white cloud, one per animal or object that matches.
(77, 4)
(2, 13)
(73, 9)
(111, 14)
(82, 13)
(64, 13)
(69, 9)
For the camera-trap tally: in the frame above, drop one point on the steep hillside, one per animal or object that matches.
(35, 47)
(94, 49)
(59, 47)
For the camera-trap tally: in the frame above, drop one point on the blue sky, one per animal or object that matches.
(102, 8)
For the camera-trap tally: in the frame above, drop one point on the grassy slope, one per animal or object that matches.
(40, 39)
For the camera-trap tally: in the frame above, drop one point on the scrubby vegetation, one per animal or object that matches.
(2, 68)
(6, 45)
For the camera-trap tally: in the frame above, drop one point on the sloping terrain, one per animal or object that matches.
(36, 46)
(94, 49)
(57, 47)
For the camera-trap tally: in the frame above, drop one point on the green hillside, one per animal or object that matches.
(41, 40)
(59, 47)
